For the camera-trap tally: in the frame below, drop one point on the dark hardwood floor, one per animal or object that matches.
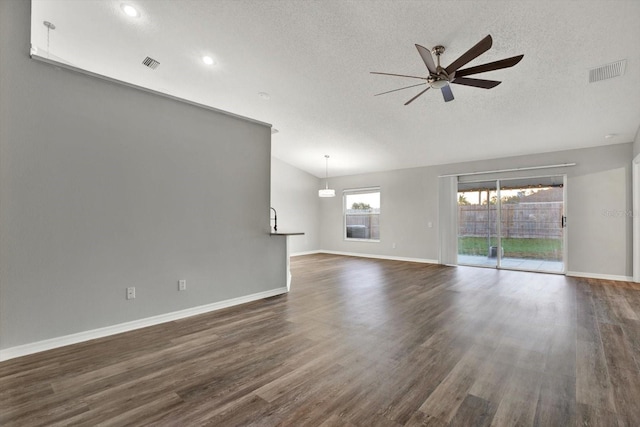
(359, 342)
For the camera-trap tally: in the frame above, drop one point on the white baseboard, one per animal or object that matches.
(600, 276)
(389, 257)
(306, 253)
(36, 347)
(435, 261)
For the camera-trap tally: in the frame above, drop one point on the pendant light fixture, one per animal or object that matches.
(326, 191)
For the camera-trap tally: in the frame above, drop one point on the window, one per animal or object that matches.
(362, 214)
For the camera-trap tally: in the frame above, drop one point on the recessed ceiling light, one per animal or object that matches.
(208, 60)
(264, 95)
(610, 135)
(129, 10)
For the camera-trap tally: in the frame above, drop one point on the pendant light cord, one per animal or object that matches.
(326, 172)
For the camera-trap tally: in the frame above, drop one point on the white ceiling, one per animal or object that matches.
(314, 59)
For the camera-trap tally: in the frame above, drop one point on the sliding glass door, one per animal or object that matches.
(532, 224)
(513, 224)
(478, 224)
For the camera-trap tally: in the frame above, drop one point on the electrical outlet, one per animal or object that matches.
(393, 245)
(131, 293)
(182, 285)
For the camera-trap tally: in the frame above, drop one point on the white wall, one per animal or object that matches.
(103, 186)
(636, 144)
(599, 188)
(294, 194)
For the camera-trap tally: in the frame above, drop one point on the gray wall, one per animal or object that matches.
(636, 144)
(407, 204)
(103, 187)
(294, 194)
(598, 188)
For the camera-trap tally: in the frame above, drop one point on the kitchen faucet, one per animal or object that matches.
(275, 220)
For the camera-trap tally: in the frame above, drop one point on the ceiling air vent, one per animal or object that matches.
(608, 71)
(151, 63)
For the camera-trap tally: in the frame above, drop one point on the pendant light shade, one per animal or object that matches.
(326, 191)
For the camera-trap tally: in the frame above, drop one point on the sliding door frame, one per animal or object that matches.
(565, 232)
(498, 225)
(635, 188)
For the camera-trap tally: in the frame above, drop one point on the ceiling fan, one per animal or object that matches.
(439, 77)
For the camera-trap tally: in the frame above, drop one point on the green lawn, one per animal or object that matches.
(549, 249)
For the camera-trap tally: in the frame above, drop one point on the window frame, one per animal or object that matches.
(353, 191)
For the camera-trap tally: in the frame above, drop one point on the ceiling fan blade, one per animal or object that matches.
(446, 93)
(413, 99)
(484, 84)
(398, 75)
(427, 58)
(497, 65)
(481, 47)
(402, 88)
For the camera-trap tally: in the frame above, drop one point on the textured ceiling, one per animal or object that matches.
(314, 59)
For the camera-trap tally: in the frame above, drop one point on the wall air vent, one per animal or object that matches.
(151, 63)
(608, 71)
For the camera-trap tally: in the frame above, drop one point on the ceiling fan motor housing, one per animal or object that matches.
(439, 82)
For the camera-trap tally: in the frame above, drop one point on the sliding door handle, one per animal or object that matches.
(563, 222)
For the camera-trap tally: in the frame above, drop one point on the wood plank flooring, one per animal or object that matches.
(359, 342)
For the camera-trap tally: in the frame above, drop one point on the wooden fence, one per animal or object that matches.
(363, 225)
(522, 220)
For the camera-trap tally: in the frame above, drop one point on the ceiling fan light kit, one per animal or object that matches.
(440, 78)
